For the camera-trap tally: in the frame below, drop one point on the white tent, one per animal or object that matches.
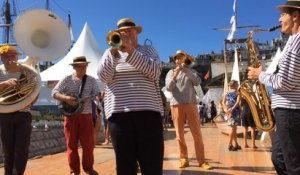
(86, 45)
(273, 65)
(213, 94)
(45, 98)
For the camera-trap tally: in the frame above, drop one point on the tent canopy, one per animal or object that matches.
(213, 94)
(86, 45)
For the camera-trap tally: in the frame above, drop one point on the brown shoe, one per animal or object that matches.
(183, 163)
(205, 165)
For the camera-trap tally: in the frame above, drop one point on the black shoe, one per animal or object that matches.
(238, 147)
(231, 148)
(91, 172)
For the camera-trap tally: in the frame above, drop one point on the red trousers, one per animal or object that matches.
(79, 128)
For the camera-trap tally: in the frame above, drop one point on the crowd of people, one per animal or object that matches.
(130, 108)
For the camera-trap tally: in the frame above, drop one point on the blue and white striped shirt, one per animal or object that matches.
(131, 81)
(286, 82)
(70, 86)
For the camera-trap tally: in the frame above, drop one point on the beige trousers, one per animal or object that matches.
(189, 113)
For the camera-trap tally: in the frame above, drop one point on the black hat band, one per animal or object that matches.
(126, 24)
(293, 3)
(79, 60)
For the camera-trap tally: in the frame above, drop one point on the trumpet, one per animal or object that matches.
(114, 39)
(187, 60)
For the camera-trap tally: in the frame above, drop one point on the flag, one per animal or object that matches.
(233, 23)
(235, 70)
(206, 76)
(70, 27)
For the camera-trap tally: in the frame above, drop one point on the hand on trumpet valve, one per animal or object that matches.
(114, 52)
(178, 68)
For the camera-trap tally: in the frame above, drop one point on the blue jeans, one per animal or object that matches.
(137, 137)
(286, 143)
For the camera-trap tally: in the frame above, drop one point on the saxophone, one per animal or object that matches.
(255, 92)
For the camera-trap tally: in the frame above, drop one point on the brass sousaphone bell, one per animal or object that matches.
(42, 35)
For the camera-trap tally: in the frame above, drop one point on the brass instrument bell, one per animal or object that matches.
(114, 39)
(187, 60)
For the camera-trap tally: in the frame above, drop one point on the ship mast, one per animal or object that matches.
(8, 14)
(47, 64)
(47, 5)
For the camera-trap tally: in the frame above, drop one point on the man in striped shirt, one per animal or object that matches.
(15, 126)
(79, 127)
(286, 93)
(133, 103)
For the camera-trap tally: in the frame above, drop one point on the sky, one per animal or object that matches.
(169, 24)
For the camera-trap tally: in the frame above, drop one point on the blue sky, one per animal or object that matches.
(169, 24)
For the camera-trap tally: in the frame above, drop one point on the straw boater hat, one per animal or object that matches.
(9, 50)
(289, 4)
(178, 52)
(126, 23)
(181, 52)
(79, 60)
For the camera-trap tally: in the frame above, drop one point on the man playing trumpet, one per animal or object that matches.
(15, 126)
(133, 103)
(180, 82)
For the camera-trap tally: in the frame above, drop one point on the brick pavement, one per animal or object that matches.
(246, 161)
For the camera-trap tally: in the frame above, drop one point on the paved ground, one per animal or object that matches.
(246, 161)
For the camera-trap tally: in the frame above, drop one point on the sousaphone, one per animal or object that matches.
(42, 35)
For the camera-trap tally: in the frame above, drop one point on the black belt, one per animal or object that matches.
(288, 109)
(13, 113)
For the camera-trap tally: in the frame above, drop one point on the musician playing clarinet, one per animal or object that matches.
(78, 127)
